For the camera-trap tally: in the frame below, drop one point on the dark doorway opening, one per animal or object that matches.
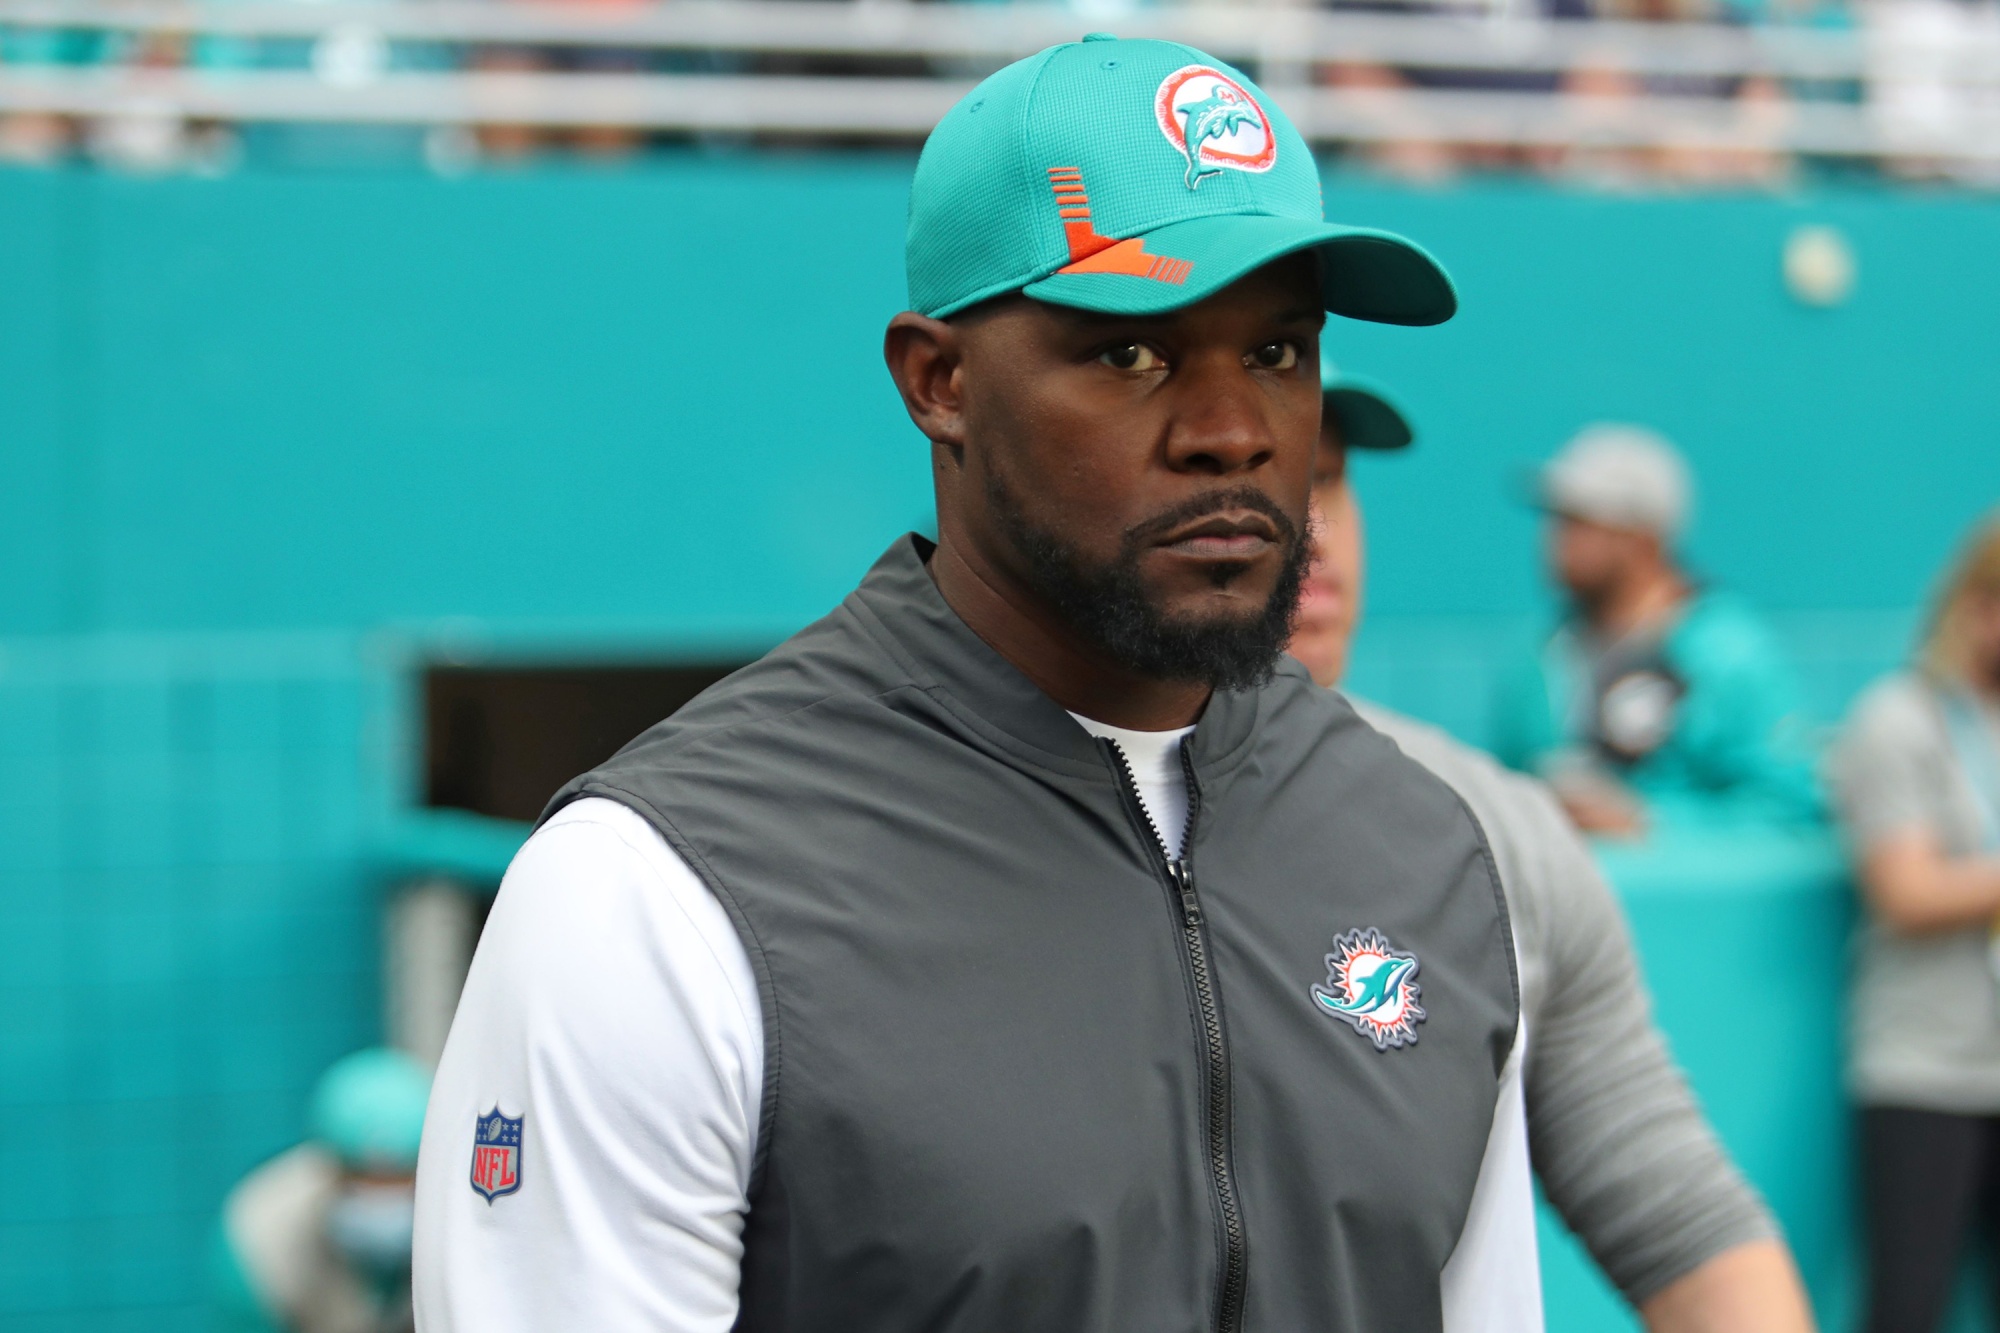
(501, 740)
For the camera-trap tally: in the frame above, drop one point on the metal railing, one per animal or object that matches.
(1616, 85)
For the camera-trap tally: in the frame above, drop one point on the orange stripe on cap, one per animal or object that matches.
(1130, 258)
(1083, 242)
(1090, 251)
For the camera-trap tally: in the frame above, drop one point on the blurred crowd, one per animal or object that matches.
(1924, 75)
(1924, 78)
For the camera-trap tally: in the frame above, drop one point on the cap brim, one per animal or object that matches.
(1365, 274)
(1534, 488)
(1365, 416)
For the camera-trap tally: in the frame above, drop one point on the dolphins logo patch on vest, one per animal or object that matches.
(496, 1154)
(1214, 122)
(1372, 986)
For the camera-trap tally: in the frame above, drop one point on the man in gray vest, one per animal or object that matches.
(1620, 1146)
(1027, 945)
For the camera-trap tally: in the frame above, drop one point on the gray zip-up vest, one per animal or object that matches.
(1024, 1075)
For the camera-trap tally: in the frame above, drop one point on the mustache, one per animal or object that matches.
(1149, 530)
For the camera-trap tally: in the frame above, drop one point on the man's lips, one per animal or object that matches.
(1236, 535)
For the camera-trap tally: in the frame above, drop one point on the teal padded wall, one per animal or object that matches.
(1839, 453)
(187, 937)
(309, 401)
(656, 397)
(251, 421)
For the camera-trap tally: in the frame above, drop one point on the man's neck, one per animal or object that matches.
(1646, 602)
(1021, 628)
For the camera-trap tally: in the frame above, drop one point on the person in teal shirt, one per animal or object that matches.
(1655, 698)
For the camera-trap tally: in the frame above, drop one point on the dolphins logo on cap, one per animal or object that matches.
(1214, 122)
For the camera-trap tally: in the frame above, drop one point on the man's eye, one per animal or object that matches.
(1131, 356)
(1275, 356)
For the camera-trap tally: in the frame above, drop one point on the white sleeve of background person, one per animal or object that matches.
(1493, 1281)
(611, 1005)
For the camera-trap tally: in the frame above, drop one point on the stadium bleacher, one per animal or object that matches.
(1698, 93)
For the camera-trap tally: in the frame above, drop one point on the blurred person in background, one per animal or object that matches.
(1599, 91)
(1653, 694)
(1622, 1149)
(317, 1240)
(1403, 144)
(39, 138)
(504, 142)
(508, 141)
(1917, 787)
(141, 138)
(1929, 82)
(606, 142)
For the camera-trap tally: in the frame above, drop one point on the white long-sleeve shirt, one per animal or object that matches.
(612, 1004)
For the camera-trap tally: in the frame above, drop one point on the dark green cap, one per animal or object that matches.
(1365, 415)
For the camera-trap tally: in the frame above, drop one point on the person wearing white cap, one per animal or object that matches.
(1655, 696)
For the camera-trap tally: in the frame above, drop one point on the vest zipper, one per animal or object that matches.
(1179, 874)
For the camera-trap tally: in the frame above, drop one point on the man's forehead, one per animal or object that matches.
(1181, 323)
(1273, 303)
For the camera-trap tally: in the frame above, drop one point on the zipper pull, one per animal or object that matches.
(1184, 881)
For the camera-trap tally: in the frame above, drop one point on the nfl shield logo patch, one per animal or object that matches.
(496, 1154)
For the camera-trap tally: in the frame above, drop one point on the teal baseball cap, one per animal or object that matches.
(1362, 410)
(1136, 177)
(368, 1108)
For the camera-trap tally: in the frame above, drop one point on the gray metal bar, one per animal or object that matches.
(892, 108)
(907, 108)
(1468, 40)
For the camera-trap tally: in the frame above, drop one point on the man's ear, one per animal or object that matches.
(926, 359)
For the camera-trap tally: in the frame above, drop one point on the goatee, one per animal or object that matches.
(1108, 603)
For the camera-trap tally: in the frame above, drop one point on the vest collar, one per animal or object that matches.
(900, 603)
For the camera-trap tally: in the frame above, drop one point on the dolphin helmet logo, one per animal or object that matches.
(1214, 122)
(1372, 986)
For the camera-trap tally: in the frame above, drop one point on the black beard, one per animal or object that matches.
(1109, 606)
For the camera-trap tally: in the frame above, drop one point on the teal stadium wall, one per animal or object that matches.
(270, 439)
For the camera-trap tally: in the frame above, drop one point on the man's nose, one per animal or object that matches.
(1222, 421)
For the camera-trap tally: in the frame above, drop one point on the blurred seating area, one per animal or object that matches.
(1695, 94)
